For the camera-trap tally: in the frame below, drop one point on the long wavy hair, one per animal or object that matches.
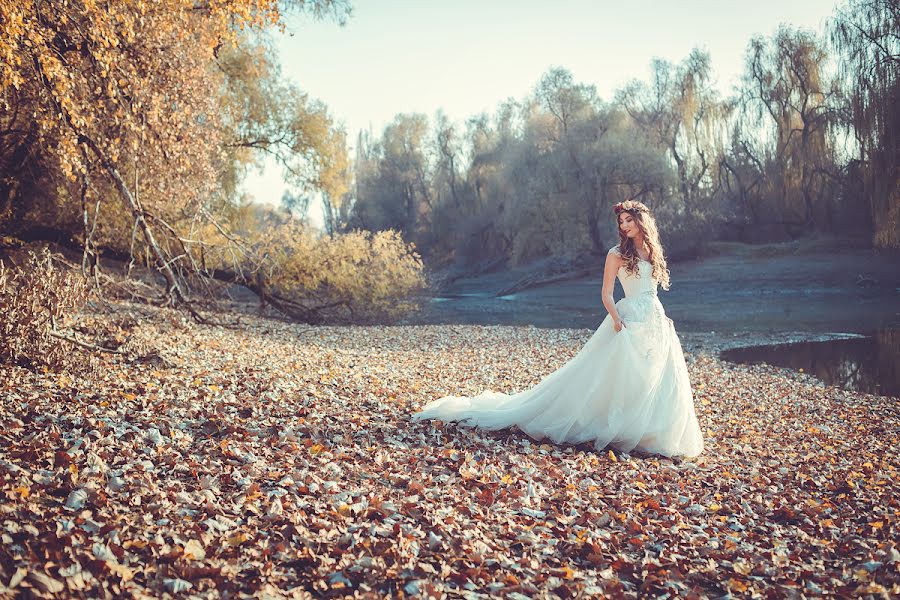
(647, 225)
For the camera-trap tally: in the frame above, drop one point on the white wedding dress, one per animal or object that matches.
(628, 390)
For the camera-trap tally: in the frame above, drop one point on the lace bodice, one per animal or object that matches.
(642, 282)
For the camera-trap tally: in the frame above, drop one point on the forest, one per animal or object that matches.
(806, 143)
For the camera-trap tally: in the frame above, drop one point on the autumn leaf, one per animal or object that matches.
(459, 509)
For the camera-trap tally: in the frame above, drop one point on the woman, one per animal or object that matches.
(627, 387)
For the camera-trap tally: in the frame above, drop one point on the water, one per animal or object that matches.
(868, 364)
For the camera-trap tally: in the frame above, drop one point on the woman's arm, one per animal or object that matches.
(613, 262)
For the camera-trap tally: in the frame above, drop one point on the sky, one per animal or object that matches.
(466, 57)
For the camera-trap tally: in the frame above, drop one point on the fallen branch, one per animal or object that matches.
(85, 345)
(540, 279)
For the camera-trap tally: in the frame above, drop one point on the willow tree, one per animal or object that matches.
(490, 143)
(453, 200)
(865, 36)
(788, 102)
(263, 115)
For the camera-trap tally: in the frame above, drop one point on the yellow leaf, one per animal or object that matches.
(507, 479)
(612, 456)
(24, 492)
(236, 539)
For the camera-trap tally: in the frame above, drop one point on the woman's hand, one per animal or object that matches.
(618, 325)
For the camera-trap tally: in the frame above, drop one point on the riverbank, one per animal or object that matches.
(279, 459)
(737, 294)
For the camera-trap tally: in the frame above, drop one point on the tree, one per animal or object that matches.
(264, 115)
(865, 36)
(124, 96)
(783, 88)
(567, 101)
(393, 180)
(685, 115)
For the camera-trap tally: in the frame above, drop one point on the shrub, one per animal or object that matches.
(37, 300)
(373, 275)
(352, 277)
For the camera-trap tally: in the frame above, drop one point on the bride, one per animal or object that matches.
(627, 387)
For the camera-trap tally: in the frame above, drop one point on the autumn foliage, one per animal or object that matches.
(141, 118)
(357, 276)
(370, 276)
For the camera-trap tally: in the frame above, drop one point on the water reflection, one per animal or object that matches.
(869, 364)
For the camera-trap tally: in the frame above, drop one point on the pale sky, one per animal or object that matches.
(468, 56)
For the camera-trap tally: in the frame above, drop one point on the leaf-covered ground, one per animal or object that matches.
(279, 460)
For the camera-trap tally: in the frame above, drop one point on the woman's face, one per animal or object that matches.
(628, 225)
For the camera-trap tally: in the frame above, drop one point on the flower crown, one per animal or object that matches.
(630, 205)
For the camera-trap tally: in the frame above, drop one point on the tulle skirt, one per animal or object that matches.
(628, 390)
